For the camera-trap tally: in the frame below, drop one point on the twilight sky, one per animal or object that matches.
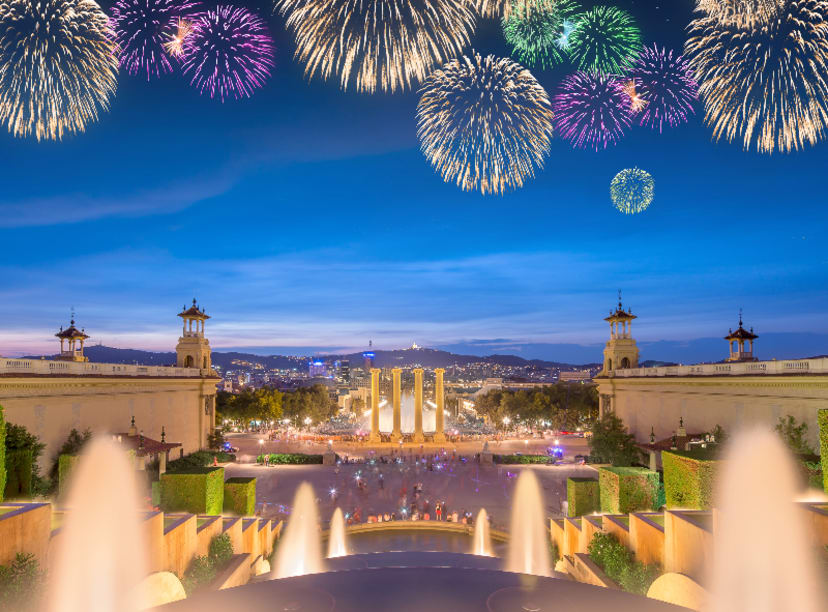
(306, 219)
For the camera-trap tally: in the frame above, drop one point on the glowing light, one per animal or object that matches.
(742, 13)
(567, 28)
(637, 103)
(175, 46)
(371, 44)
(535, 27)
(484, 124)
(591, 110)
(58, 66)
(767, 86)
(144, 29)
(228, 53)
(506, 420)
(666, 87)
(632, 190)
(606, 40)
(308, 421)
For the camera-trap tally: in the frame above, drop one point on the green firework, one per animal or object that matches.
(632, 190)
(534, 30)
(606, 40)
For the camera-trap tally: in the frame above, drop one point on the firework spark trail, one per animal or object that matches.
(175, 45)
(767, 86)
(742, 13)
(632, 190)
(58, 66)
(484, 123)
(377, 44)
(666, 85)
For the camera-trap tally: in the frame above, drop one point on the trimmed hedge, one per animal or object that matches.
(18, 473)
(688, 479)
(822, 419)
(522, 459)
(2, 453)
(290, 458)
(66, 463)
(198, 459)
(627, 489)
(582, 496)
(619, 565)
(198, 491)
(240, 496)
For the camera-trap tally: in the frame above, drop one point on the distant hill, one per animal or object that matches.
(429, 358)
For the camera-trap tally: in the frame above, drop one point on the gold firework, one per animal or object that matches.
(768, 85)
(58, 66)
(637, 103)
(741, 13)
(493, 9)
(385, 44)
(175, 46)
(484, 124)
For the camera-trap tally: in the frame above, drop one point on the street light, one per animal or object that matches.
(307, 420)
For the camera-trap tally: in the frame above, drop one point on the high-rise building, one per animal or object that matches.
(345, 371)
(316, 368)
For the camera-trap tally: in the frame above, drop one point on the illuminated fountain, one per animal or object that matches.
(299, 551)
(752, 571)
(482, 540)
(386, 415)
(91, 573)
(528, 551)
(336, 539)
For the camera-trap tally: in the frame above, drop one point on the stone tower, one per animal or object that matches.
(193, 350)
(621, 351)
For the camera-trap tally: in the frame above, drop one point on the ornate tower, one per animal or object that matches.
(621, 351)
(193, 348)
(71, 342)
(736, 340)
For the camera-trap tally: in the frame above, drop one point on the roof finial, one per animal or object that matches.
(72, 315)
(163, 434)
(619, 300)
(740, 317)
(194, 301)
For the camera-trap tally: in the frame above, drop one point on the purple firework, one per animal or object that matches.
(229, 52)
(143, 28)
(667, 87)
(591, 110)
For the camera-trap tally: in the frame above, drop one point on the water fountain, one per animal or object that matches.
(482, 540)
(102, 555)
(299, 551)
(386, 415)
(528, 551)
(763, 558)
(336, 539)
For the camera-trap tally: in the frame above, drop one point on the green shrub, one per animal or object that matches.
(627, 489)
(618, 564)
(200, 573)
(554, 552)
(812, 471)
(221, 550)
(794, 434)
(289, 458)
(637, 577)
(522, 459)
(689, 478)
(66, 463)
(155, 493)
(18, 438)
(240, 496)
(198, 459)
(822, 419)
(73, 445)
(20, 583)
(198, 490)
(582, 496)
(611, 443)
(18, 473)
(2, 453)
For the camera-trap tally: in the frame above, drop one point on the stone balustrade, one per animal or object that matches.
(48, 367)
(745, 368)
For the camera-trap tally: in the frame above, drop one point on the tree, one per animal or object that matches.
(794, 434)
(610, 442)
(73, 445)
(18, 438)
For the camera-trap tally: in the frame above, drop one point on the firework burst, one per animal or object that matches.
(229, 52)
(493, 9)
(766, 86)
(592, 110)
(175, 45)
(567, 28)
(606, 39)
(143, 28)
(637, 103)
(742, 13)
(666, 86)
(484, 124)
(58, 66)
(385, 44)
(632, 190)
(535, 28)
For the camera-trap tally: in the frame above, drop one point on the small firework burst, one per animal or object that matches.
(606, 39)
(637, 103)
(175, 46)
(567, 28)
(666, 86)
(632, 190)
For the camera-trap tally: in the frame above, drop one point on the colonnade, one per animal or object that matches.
(396, 396)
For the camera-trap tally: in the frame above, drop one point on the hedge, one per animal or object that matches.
(198, 459)
(2, 453)
(66, 463)
(522, 459)
(619, 565)
(582, 496)
(240, 496)
(155, 493)
(688, 479)
(290, 458)
(627, 489)
(18, 473)
(822, 419)
(197, 490)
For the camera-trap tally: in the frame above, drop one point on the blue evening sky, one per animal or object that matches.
(306, 219)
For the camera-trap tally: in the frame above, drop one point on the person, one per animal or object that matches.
(381, 481)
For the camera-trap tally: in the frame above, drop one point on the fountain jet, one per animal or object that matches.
(763, 560)
(482, 540)
(336, 540)
(528, 539)
(300, 549)
(102, 553)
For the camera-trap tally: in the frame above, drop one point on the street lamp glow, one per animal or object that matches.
(307, 420)
(506, 420)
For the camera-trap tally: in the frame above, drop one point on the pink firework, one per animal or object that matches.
(592, 110)
(666, 84)
(228, 53)
(143, 29)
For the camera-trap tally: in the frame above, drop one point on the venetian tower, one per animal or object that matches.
(193, 350)
(621, 350)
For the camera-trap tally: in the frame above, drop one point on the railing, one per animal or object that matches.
(771, 368)
(45, 367)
